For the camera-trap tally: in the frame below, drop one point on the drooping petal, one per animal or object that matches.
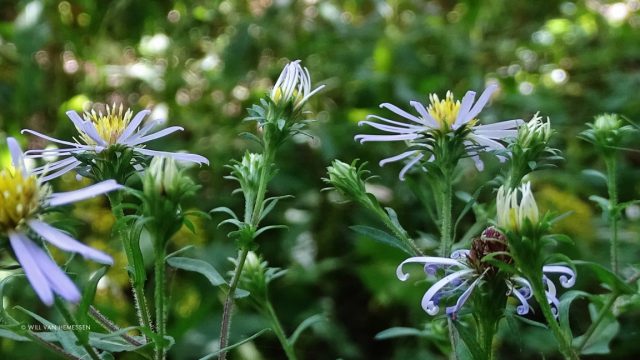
(392, 129)
(53, 165)
(565, 281)
(427, 300)
(57, 199)
(397, 157)
(43, 136)
(453, 310)
(426, 260)
(133, 125)
(35, 276)
(194, 158)
(392, 122)
(496, 134)
(58, 280)
(62, 171)
(365, 137)
(409, 165)
(486, 142)
(523, 308)
(67, 243)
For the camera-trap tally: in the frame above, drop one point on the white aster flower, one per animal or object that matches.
(293, 85)
(441, 117)
(462, 278)
(98, 131)
(516, 207)
(24, 197)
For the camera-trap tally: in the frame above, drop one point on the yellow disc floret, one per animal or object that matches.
(444, 111)
(110, 125)
(20, 197)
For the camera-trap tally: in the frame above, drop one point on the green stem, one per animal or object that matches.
(137, 286)
(254, 219)
(110, 326)
(601, 315)
(446, 216)
(83, 338)
(613, 211)
(277, 328)
(564, 342)
(228, 303)
(160, 295)
(398, 232)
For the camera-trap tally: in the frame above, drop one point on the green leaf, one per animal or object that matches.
(224, 210)
(88, 294)
(473, 349)
(306, 323)
(381, 236)
(113, 342)
(602, 202)
(250, 338)
(605, 276)
(199, 266)
(595, 174)
(180, 251)
(270, 227)
(396, 332)
(563, 309)
(6, 333)
(66, 338)
(606, 331)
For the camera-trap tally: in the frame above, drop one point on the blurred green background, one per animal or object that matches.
(199, 64)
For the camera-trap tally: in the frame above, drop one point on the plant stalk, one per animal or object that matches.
(160, 296)
(277, 328)
(612, 186)
(83, 339)
(446, 216)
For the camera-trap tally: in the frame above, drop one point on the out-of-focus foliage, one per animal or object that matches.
(199, 64)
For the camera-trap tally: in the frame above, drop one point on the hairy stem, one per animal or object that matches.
(254, 220)
(131, 250)
(613, 211)
(110, 326)
(564, 342)
(277, 328)
(160, 295)
(446, 216)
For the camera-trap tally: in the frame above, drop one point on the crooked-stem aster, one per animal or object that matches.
(98, 131)
(462, 278)
(442, 117)
(25, 197)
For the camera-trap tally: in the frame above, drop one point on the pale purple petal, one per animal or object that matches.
(486, 142)
(156, 135)
(496, 134)
(62, 171)
(53, 165)
(397, 157)
(144, 130)
(478, 162)
(502, 125)
(480, 104)
(566, 282)
(133, 125)
(453, 310)
(393, 122)
(406, 168)
(63, 198)
(393, 129)
(523, 308)
(426, 260)
(67, 243)
(89, 129)
(465, 106)
(17, 158)
(58, 280)
(194, 158)
(428, 303)
(401, 112)
(35, 276)
(365, 137)
(428, 120)
(43, 136)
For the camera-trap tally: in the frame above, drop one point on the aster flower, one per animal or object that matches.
(24, 197)
(441, 118)
(98, 132)
(461, 277)
(293, 86)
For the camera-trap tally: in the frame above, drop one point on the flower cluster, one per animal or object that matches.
(25, 197)
(443, 120)
(516, 208)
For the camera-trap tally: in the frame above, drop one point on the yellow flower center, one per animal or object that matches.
(20, 197)
(109, 126)
(445, 111)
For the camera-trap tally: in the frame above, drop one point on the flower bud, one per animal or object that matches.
(606, 132)
(162, 177)
(254, 277)
(534, 133)
(293, 86)
(347, 178)
(516, 208)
